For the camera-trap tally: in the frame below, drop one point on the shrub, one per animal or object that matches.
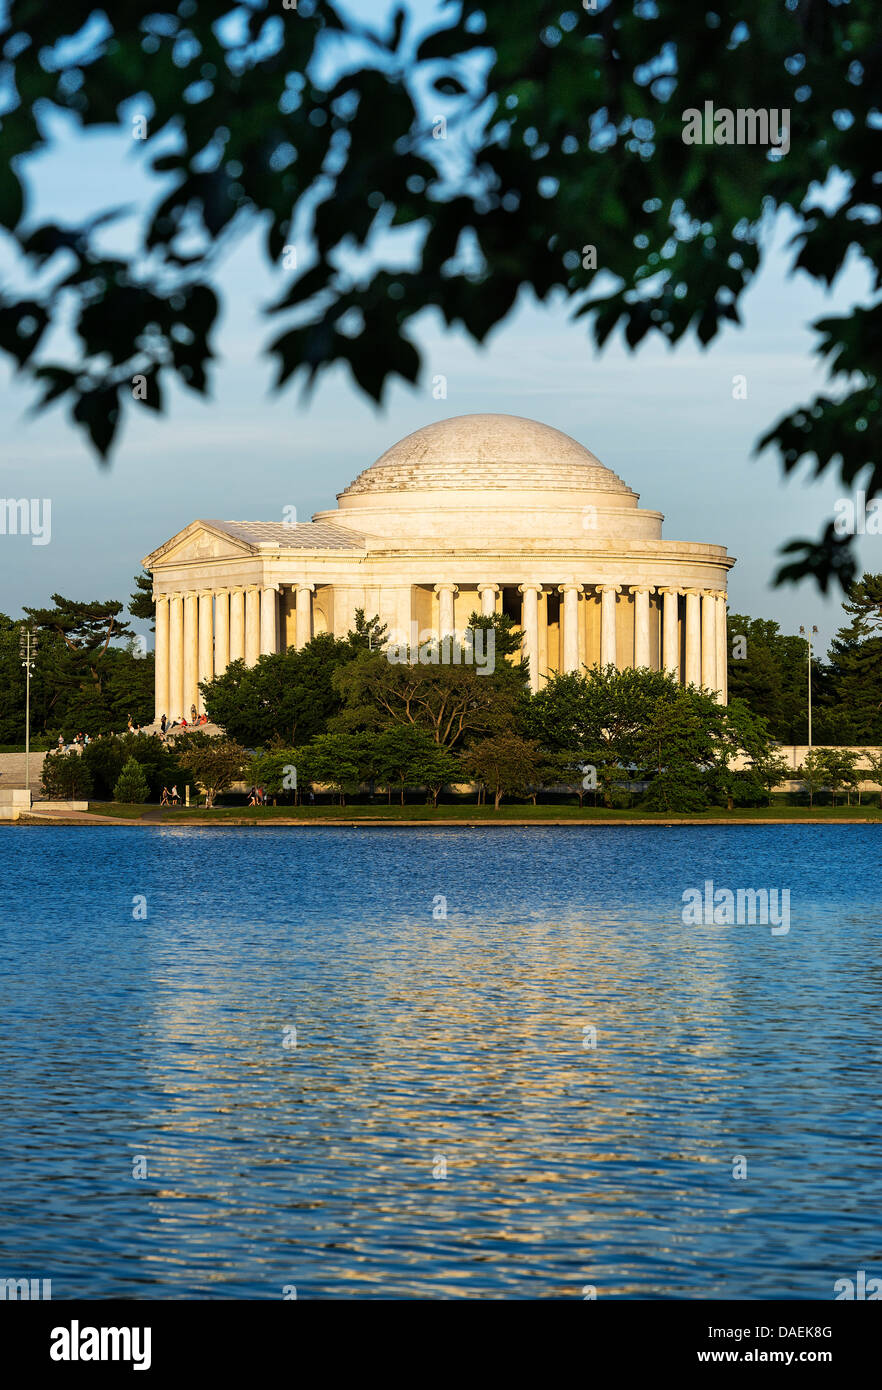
(65, 777)
(214, 761)
(131, 784)
(106, 757)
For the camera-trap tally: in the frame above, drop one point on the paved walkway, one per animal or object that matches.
(62, 817)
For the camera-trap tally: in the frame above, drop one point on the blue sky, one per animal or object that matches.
(664, 420)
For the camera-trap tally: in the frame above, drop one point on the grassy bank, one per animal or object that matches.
(478, 814)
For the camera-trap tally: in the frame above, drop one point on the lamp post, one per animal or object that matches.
(27, 646)
(808, 635)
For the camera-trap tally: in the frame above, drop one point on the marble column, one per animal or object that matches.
(402, 613)
(709, 640)
(303, 614)
(221, 631)
(269, 627)
(571, 592)
(608, 623)
(641, 594)
(237, 624)
(488, 594)
(252, 624)
(206, 642)
(671, 632)
(446, 623)
(530, 625)
(175, 656)
(160, 685)
(722, 683)
(692, 675)
(191, 652)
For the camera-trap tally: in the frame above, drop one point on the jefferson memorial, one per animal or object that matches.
(492, 513)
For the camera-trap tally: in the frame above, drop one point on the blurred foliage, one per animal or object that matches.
(393, 168)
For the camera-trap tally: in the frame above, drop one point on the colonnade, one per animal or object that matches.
(702, 653)
(198, 633)
(704, 649)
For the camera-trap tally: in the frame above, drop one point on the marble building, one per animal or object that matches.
(492, 513)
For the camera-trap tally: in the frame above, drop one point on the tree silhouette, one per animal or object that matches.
(447, 165)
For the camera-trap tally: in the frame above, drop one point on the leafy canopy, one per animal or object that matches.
(444, 164)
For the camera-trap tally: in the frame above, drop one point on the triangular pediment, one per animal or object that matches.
(198, 541)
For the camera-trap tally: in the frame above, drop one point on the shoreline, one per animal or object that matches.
(84, 818)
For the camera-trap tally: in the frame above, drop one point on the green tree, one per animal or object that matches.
(83, 656)
(813, 771)
(65, 777)
(840, 770)
(214, 761)
(433, 766)
(738, 735)
(337, 761)
(12, 682)
(141, 602)
(129, 688)
(856, 663)
(451, 701)
(599, 717)
(403, 755)
(767, 670)
(280, 771)
(874, 767)
(106, 757)
(641, 725)
(131, 785)
(506, 763)
(676, 750)
(772, 770)
(369, 634)
(288, 695)
(81, 681)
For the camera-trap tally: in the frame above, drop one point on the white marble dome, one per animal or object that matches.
(481, 452)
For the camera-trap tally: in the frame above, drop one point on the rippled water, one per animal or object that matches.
(422, 1041)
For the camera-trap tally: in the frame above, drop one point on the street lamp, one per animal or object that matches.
(804, 632)
(27, 646)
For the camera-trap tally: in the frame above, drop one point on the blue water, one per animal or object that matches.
(423, 1042)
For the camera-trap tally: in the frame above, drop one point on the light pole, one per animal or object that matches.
(804, 632)
(27, 646)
